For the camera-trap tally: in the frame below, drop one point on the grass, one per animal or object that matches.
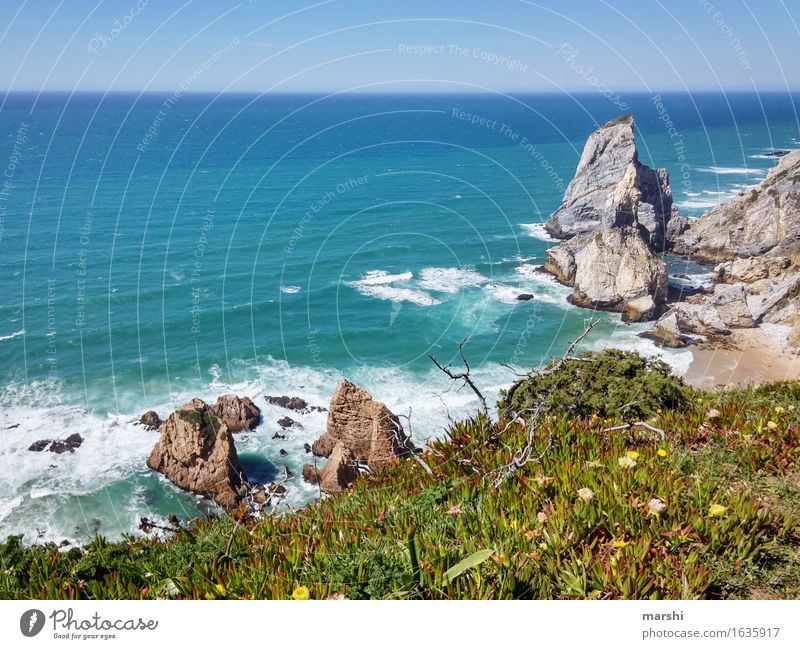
(726, 477)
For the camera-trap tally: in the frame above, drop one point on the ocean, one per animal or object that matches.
(159, 247)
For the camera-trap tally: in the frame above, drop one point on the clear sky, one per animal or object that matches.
(430, 45)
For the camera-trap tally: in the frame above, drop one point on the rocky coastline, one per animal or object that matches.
(617, 219)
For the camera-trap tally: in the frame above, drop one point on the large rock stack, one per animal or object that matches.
(612, 189)
(615, 213)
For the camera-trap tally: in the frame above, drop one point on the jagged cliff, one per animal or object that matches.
(763, 221)
(611, 189)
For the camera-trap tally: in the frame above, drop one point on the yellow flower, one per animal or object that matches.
(658, 410)
(771, 425)
(633, 455)
(717, 510)
(221, 589)
(662, 452)
(779, 410)
(301, 592)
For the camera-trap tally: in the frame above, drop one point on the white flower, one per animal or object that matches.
(585, 494)
(656, 506)
(627, 462)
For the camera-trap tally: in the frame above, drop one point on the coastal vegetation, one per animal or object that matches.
(687, 494)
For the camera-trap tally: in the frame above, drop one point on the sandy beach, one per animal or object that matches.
(757, 355)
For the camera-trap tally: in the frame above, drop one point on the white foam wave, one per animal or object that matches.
(740, 171)
(698, 204)
(291, 290)
(450, 280)
(16, 334)
(537, 231)
(7, 505)
(379, 277)
(378, 284)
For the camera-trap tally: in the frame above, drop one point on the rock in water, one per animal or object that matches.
(366, 428)
(288, 422)
(667, 332)
(613, 268)
(237, 413)
(196, 452)
(764, 220)
(612, 189)
(150, 420)
(292, 403)
(59, 446)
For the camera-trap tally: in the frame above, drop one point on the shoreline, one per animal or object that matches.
(749, 357)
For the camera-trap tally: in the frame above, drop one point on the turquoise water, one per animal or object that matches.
(156, 248)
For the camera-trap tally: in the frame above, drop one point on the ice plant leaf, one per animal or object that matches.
(471, 561)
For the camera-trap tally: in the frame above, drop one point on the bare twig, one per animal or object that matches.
(643, 424)
(414, 454)
(463, 376)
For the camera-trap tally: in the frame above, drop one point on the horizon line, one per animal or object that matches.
(361, 91)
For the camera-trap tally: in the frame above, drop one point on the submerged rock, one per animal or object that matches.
(366, 428)
(196, 452)
(288, 422)
(237, 413)
(612, 189)
(293, 403)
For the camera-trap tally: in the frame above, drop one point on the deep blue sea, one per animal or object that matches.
(155, 247)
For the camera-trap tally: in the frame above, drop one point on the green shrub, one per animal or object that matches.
(611, 383)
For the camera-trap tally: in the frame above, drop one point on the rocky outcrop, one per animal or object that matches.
(609, 270)
(762, 221)
(612, 189)
(365, 427)
(237, 413)
(339, 472)
(59, 446)
(196, 452)
(150, 420)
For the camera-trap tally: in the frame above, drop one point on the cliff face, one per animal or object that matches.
(763, 221)
(611, 188)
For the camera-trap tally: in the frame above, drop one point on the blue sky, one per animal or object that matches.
(313, 45)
